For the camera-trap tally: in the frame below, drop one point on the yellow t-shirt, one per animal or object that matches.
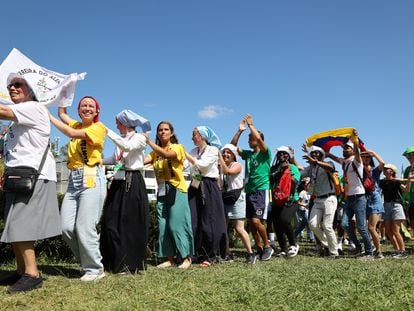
(82, 152)
(170, 170)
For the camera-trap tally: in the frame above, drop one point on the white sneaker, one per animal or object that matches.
(92, 277)
(293, 250)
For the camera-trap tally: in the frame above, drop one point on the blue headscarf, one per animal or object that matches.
(132, 120)
(209, 135)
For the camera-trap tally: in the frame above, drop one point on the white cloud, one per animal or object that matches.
(213, 112)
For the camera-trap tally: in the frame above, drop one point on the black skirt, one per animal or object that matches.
(125, 225)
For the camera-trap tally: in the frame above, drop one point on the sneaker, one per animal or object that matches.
(400, 255)
(227, 259)
(293, 250)
(267, 253)
(378, 255)
(92, 277)
(346, 242)
(11, 279)
(251, 259)
(25, 284)
(356, 251)
(282, 254)
(367, 256)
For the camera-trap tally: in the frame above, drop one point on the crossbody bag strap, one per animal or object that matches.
(356, 171)
(43, 159)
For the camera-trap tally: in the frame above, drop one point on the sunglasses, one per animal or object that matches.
(282, 153)
(16, 85)
(410, 154)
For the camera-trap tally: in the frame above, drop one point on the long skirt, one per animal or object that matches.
(125, 225)
(208, 220)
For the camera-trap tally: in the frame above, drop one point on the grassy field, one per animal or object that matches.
(305, 282)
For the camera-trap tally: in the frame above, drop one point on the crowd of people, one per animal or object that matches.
(192, 220)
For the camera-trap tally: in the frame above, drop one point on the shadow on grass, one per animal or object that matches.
(60, 270)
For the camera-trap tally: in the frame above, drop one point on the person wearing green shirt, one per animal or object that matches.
(257, 168)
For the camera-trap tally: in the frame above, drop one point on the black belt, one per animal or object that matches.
(355, 195)
(209, 178)
(325, 196)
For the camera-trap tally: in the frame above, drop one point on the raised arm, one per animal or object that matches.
(241, 129)
(255, 133)
(63, 115)
(67, 130)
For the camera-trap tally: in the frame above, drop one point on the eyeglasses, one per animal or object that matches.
(16, 85)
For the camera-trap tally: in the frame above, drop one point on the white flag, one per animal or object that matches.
(50, 88)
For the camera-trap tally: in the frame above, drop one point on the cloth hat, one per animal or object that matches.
(98, 107)
(13, 76)
(285, 149)
(391, 166)
(209, 135)
(232, 148)
(408, 150)
(316, 148)
(130, 119)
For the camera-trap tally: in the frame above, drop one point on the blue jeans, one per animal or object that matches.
(302, 223)
(80, 213)
(357, 205)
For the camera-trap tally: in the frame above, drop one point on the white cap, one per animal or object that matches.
(349, 143)
(316, 148)
(391, 166)
(232, 148)
(285, 149)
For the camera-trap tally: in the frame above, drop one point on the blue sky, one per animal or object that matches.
(299, 67)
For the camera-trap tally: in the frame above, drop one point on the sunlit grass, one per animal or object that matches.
(302, 283)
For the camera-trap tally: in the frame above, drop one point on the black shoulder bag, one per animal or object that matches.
(22, 179)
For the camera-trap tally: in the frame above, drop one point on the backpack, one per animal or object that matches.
(366, 179)
(283, 187)
(335, 183)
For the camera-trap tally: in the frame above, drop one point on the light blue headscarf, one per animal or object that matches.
(132, 120)
(210, 136)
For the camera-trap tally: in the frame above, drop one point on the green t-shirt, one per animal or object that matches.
(409, 196)
(257, 168)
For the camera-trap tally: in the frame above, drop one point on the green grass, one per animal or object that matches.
(301, 283)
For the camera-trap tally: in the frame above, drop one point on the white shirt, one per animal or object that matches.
(354, 183)
(206, 163)
(129, 151)
(27, 139)
(234, 181)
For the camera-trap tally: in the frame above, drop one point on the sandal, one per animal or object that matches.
(205, 264)
(185, 264)
(165, 264)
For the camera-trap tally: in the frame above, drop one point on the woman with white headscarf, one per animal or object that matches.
(125, 221)
(207, 211)
(28, 216)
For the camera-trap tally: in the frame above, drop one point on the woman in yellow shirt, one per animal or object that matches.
(173, 212)
(83, 201)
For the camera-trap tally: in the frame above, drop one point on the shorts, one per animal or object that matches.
(393, 211)
(374, 204)
(257, 204)
(238, 209)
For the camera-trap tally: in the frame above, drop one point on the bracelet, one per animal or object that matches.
(250, 124)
